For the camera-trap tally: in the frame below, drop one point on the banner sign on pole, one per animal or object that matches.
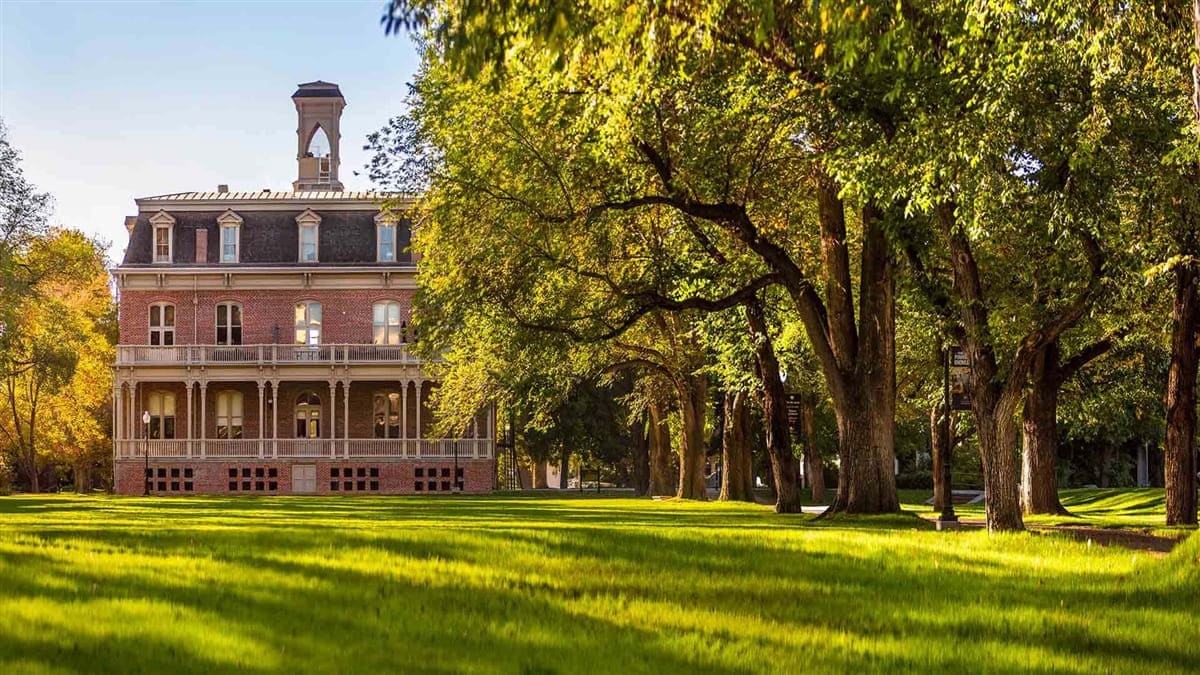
(793, 410)
(960, 380)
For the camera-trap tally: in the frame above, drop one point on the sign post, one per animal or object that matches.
(956, 395)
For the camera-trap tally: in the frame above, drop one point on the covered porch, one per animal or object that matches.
(266, 419)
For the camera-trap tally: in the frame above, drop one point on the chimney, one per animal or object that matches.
(222, 188)
(319, 109)
(201, 245)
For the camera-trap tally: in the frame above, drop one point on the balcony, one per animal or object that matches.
(304, 448)
(217, 355)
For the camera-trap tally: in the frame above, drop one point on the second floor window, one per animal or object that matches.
(386, 325)
(229, 323)
(308, 243)
(162, 244)
(229, 414)
(162, 414)
(162, 325)
(308, 323)
(387, 242)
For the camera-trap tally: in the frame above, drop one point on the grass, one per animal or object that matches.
(575, 584)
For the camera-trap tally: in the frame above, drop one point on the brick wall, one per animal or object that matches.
(212, 477)
(347, 315)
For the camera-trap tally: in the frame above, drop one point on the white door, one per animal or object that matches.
(304, 478)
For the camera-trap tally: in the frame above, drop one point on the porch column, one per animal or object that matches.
(274, 418)
(419, 382)
(403, 417)
(333, 418)
(118, 411)
(262, 385)
(191, 422)
(346, 417)
(491, 430)
(203, 418)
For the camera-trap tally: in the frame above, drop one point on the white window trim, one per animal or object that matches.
(229, 219)
(386, 395)
(387, 328)
(386, 219)
(229, 325)
(161, 416)
(308, 219)
(159, 221)
(161, 328)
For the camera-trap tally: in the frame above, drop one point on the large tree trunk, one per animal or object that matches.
(1179, 451)
(693, 403)
(538, 474)
(735, 449)
(942, 444)
(996, 426)
(812, 457)
(865, 404)
(1039, 456)
(775, 421)
(564, 469)
(661, 482)
(639, 435)
(1179, 467)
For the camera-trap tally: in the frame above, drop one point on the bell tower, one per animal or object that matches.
(319, 108)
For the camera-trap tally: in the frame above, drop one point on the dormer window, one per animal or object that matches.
(163, 227)
(309, 224)
(229, 224)
(385, 236)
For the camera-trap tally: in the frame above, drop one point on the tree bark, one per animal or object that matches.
(941, 445)
(1179, 469)
(639, 435)
(661, 483)
(1179, 451)
(538, 474)
(812, 457)
(565, 468)
(1039, 452)
(775, 422)
(865, 403)
(735, 450)
(693, 403)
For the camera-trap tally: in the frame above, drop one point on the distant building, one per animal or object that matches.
(266, 337)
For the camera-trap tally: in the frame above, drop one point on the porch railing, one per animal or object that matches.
(204, 355)
(316, 448)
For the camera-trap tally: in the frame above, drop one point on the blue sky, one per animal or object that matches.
(108, 101)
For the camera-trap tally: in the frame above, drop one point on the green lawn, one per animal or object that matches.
(521, 585)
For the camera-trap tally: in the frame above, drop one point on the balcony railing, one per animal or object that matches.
(314, 448)
(210, 355)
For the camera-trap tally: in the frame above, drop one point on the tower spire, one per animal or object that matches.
(318, 134)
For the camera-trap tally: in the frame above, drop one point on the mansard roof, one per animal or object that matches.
(268, 236)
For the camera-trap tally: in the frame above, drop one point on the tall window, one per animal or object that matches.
(162, 226)
(162, 324)
(308, 243)
(387, 242)
(229, 243)
(308, 323)
(162, 414)
(308, 415)
(308, 222)
(229, 323)
(162, 244)
(387, 415)
(229, 414)
(387, 323)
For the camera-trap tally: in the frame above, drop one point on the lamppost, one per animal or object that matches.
(146, 441)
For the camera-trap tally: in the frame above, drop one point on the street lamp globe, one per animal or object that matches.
(145, 417)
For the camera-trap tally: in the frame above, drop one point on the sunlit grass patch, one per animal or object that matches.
(571, 584)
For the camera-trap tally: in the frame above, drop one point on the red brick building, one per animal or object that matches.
(265, 343)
